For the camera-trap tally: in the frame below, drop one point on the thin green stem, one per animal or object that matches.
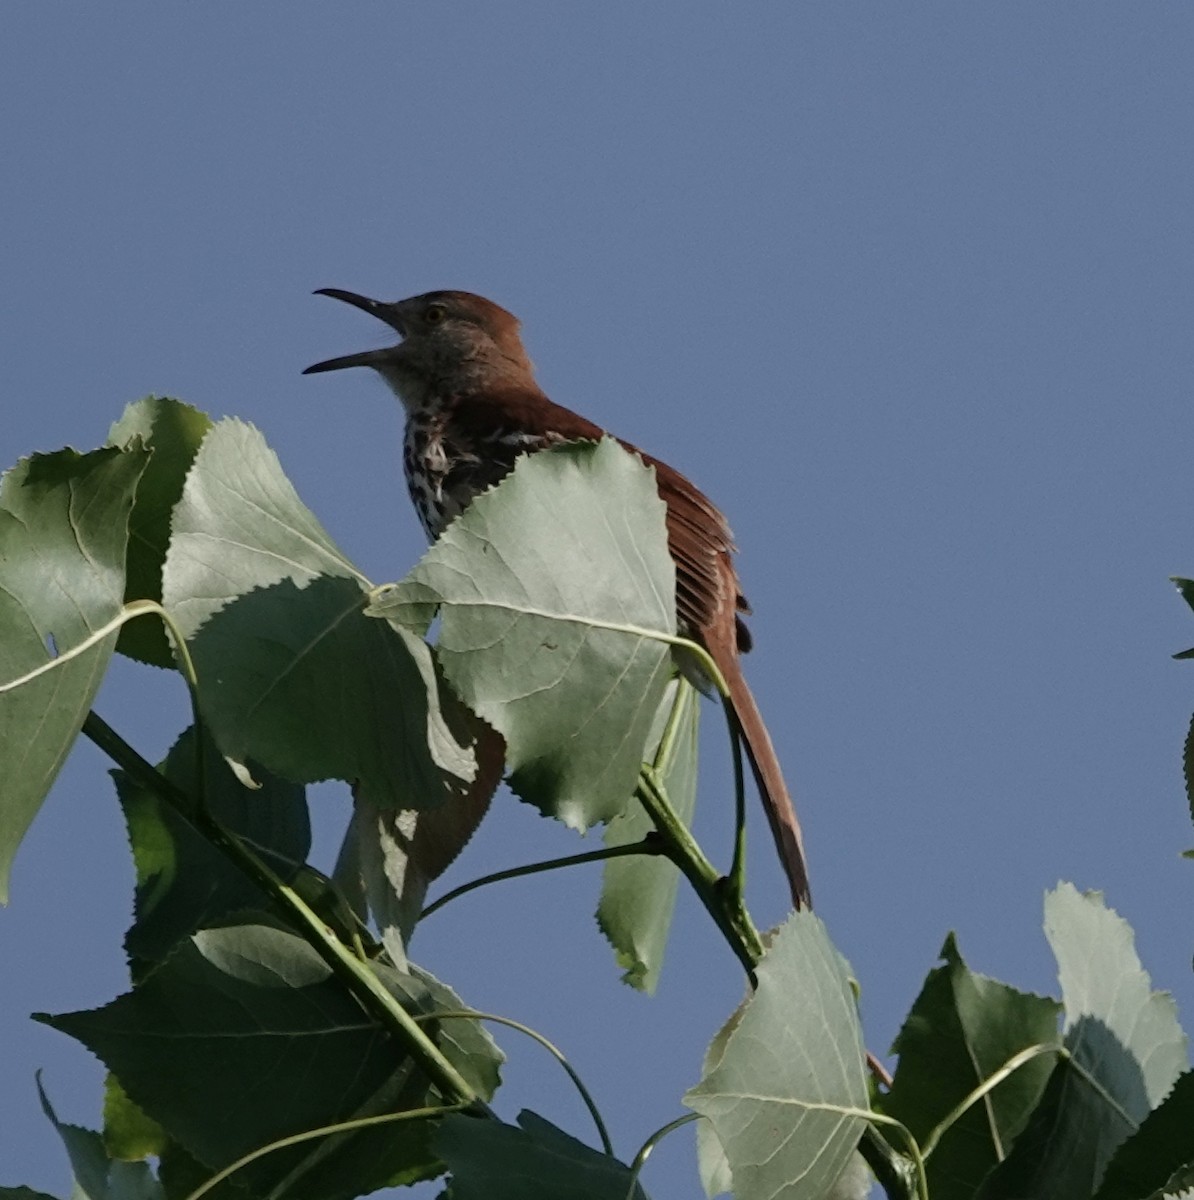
(357, 976)
(585, 1095)
(649, 845)
(722, 898)
(665, 752)
(645, 1149)
(989, 1084)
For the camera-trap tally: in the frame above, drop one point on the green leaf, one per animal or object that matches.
(711, 1156)
(963, 1028)
(391, 858)
(128, 1133)
(173, 431)
(556, 597)
(247, 1022)
(1188, 770)
(535, 1160)
(290, 671)
(96, 1175)
(185, 883)
(1159, 1156)
(400, 1154)
(638, 895)
(1127, 1051)
(23, 1193)
(465, 1043)
(788, 1093)
(63, 527)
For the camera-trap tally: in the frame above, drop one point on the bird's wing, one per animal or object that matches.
(487, 434)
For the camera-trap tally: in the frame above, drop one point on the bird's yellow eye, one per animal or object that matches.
(435, 313)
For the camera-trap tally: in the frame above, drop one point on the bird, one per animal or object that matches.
(473, 406)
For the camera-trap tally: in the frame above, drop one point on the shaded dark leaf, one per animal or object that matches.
(534, 1160)
(173, 431)
(963, 1028)
(63, 528)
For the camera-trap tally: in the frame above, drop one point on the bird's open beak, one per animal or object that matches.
(389, 313)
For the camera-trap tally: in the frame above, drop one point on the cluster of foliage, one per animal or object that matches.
(277, 1041)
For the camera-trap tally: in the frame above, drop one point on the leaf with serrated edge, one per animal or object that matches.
(1127, 1050)
(787, 1095)
(963, 1028)
(63, 529)
(490, 1160)
(97, 1176)
(638, 893)
(291, 673)
(396, 855)
(128, 1132)
(1159, 1156)
(248, 1022)
(185, 883)
(556, 595)
(173, 431)
(711, 1156)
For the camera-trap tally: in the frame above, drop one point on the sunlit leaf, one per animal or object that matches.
(291, 672)
(555, 590)
(128, 1132)
(787, 1094)
(1127, 1051)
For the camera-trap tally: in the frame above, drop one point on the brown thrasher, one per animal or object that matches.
(473, 406)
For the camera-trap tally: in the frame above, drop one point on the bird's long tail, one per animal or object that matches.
(764, 765)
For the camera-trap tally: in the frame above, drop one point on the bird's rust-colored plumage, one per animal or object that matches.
(473, 407)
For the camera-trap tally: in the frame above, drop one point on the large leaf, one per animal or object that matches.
(173, 431)
(247, 1022)
(532, 1161)
(185, 883)
(962, 1028)
(1126, 1047)
(290, 671)
(556, 592)
(638, 895)
(787, 1093)
(63, 527)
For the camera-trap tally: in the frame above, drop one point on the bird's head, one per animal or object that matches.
(452, 342)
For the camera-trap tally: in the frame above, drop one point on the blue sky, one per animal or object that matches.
(906, 289)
